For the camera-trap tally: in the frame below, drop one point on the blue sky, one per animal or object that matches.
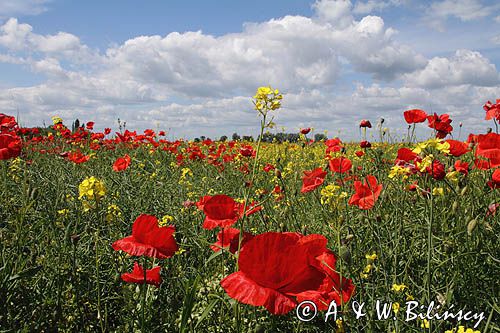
(192, 66)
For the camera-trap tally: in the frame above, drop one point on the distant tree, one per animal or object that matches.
(76, 124)
(197, 140)
(202, 138)
(248, 138)
(223, 138)
(320, 137)
(235, 137)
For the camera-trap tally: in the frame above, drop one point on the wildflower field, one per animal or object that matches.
(130, 232)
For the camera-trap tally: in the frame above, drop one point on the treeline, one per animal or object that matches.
(267, 137)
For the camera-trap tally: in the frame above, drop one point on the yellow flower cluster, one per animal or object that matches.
(330, 194)
(267, 99)
(438, 144)
(370, 258)
(399, 171)
(462, 329)
(57, 120)
(113, 213)
(165, 220)
(91, 190)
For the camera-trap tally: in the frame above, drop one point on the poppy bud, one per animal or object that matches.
(471, 226)
(74, 239)
(345, 254)
(278, 173)
(489, 130)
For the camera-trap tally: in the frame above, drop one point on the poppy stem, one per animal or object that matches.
(429, 250)
(144, 290)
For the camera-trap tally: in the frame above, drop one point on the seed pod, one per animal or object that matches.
(454, 207)
(464, 190)
(471, 226)
(259, 329)
(345, 254)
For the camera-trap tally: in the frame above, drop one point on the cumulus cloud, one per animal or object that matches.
(464, 67)
(366, 7)
(464, 10)
(194, 83)
(22, 7)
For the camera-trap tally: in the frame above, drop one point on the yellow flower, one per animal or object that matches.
(91, 189)
(453, 176)
(165, 220)
(398, 287)
(395, 307)
(425, 324)
(426, 162)
(57, 120)
(340, 326)
(409, 297)
(438, 191)
(113, 212)
(399, 171)
(461, 329)
(371, 257)
(63, 212)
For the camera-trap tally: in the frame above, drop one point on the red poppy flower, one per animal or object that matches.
(247, 151)
(481, 164)
(462, 167)
(148, 239)
(406, 155)
(10, 146)
(305, 130)
(458, 148)
(359, 153)
(279, 270)
(107, 131)
(441, 124)
(495, 180)
(220, 211)
(77, 157)
(137, 276)
(7, 122)
(365, 123)
(366, 193)
(121, 163)
(365, 144)
(415, 116)
(492, 110)
(312, 179)
(436, 170)
(488, 146)
(229, 238)
(90, 125)
(268, 167)
(340, 164)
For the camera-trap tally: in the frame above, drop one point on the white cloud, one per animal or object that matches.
(464, 10)
(496, 39)
(464, 67)
(366, 7)
(22, 7)
(197, 83)
(19, 37)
